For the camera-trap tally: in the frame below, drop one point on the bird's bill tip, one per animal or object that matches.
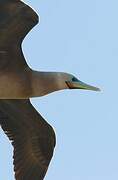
(80, 85)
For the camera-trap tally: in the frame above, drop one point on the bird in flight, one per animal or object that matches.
(32, 137)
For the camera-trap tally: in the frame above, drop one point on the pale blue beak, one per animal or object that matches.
(80, 85)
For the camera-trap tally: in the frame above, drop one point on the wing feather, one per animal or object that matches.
(16, 20)
(32, 137)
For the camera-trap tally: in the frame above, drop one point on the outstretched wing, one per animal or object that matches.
(32, 137)
(16, 20)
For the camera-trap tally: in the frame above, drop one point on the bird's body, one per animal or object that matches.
(14, 85)
(16, 20)
(32, 137)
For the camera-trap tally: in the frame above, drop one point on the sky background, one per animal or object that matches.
(78, 37)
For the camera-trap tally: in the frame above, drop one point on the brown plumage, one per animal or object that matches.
(32, 137)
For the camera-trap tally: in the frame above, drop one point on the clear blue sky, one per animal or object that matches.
(78, 37)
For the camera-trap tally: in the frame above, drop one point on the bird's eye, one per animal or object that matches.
(74, 79)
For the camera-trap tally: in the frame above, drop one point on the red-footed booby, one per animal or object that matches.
(32, 137)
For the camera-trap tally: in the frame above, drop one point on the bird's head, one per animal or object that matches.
(74, 83)
(48, 82)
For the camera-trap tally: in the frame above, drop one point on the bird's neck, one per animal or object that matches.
(46, 82)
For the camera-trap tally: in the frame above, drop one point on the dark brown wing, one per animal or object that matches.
(32, 137)
(16, 20)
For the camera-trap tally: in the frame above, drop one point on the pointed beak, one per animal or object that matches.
(80, 85)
